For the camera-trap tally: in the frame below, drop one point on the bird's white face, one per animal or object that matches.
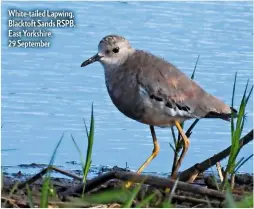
(113, 51)
(113, 54)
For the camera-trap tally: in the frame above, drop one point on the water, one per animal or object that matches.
(46, 93)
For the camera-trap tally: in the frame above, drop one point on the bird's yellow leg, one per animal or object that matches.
(185, 148)
(186, 144)
(185, 138)
(155, 152)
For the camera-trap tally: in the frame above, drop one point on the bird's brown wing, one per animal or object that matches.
(164, 82)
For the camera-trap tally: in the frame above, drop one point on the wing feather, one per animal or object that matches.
(163, 82)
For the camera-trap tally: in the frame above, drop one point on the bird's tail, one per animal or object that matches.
(223, 116)
(218, 109)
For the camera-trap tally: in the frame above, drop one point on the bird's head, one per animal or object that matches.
(113, 50)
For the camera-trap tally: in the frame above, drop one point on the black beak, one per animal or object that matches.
(95, 58)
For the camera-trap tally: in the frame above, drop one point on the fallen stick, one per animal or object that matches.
(157, 182)
(164, 183)
(90, 184)
(43, 172)
(66, 173)
(33, 178)
(191, 173)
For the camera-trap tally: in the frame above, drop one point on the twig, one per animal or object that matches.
(191, 173)
(232, 183)
(218, 166)
(66, 173)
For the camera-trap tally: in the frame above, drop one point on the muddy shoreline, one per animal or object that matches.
(243, 187)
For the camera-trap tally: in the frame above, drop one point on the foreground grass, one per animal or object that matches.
(236, 133)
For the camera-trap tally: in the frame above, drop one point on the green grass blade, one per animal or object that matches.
(246, 87)
(247, 99)
(46, 181)
(246, 202)
(188, 132)
(45, 192)
(90, 145)
(52, 190)
(106, 197)
(238, 163)
(146, 201)
(29, 197)
(232, 105)
(55, 150)
(134, 193)
(237, 167)
(239, 122)
(242, 106)
(87, 134)
(173, 134)
(243, 123)
(229, 200)
(167, 204)
(88, 161)
(233, 93)
(196, 64)
(172, 147)
(80, 153)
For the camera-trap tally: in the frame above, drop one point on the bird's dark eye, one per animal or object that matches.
(116, 50)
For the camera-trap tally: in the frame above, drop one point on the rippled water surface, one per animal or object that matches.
(46, 93)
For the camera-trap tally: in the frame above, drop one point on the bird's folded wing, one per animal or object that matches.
(164, 83)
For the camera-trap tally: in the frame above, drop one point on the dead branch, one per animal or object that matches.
(90, 184)
(33, 178)
(163, 183)
(191, 173)
(43, 172)
(66, 173)
(157, 182)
